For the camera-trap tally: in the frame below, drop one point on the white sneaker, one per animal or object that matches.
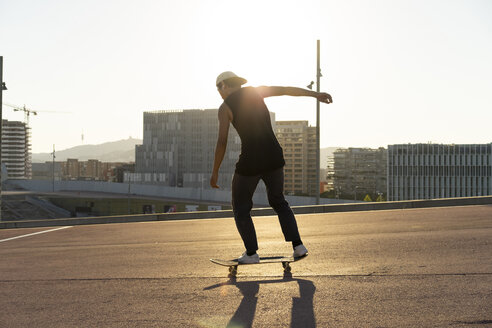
(300, 251)
(245, 259)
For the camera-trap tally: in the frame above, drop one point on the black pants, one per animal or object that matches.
(243, 188)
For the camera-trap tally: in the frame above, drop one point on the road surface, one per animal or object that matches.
(405, 268)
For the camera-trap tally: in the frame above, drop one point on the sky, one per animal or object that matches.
(399, 71)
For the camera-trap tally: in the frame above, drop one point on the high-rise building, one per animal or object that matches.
(427, 171)
(357, 172)
(298, 141)
(178, 149)
(16, 149)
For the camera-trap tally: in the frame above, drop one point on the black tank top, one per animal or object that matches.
(260, 150)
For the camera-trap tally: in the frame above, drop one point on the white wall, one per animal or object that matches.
(220, 196)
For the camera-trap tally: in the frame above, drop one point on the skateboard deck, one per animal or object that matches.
(285, 260)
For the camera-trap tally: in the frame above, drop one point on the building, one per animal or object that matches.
(44, 171)
(16, 149)
(178, 149)
(119, 171)
(93, 169)
(428, 171)
(357, 172)
(298, 141)
(71, 170)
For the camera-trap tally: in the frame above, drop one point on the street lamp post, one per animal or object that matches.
(129, 190)
(318, 76)
(310, 86)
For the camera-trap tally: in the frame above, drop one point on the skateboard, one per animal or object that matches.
(285, 260)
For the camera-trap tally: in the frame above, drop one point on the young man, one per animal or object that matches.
(261, 157)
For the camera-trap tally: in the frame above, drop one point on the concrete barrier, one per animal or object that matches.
(485, 200)
(184, 194)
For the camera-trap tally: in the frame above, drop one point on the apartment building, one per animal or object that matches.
(298, 141)
(178, 149)
(45, 171)
(93, 169)
(428, 171)
(16, 149)
(357, 172)
(71, 169)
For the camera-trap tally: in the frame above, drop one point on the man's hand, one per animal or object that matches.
(324, 98)
(213, 180)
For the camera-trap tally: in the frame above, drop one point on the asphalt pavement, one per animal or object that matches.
(393, 268)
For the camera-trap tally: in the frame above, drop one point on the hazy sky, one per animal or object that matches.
(399, 71)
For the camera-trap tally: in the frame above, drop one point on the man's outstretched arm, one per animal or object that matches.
(220, 148)
(295, 92)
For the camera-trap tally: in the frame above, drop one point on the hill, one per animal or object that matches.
(116, 151)
(124, 151)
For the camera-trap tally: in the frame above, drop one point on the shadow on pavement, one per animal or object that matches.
(302, 314)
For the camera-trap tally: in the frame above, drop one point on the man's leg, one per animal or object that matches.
(243, 188)
(274, 181)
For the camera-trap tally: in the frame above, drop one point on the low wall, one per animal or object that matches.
(192, 194)
(487, 200)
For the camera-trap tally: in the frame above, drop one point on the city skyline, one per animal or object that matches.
(398, 72)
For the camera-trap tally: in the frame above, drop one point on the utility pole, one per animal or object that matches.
(53, 153)
(2, 87)
(318, 76)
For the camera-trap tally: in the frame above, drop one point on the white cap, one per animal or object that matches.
(229, 75)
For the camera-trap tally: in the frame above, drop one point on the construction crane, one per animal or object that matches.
(28, 112)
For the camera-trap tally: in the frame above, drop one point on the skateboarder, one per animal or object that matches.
(261, 157)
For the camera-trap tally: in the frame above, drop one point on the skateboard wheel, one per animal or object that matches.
(233, 270)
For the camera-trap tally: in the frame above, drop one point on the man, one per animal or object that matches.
(261, 157)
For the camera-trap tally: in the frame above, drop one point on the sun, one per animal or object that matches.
(268, 42)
